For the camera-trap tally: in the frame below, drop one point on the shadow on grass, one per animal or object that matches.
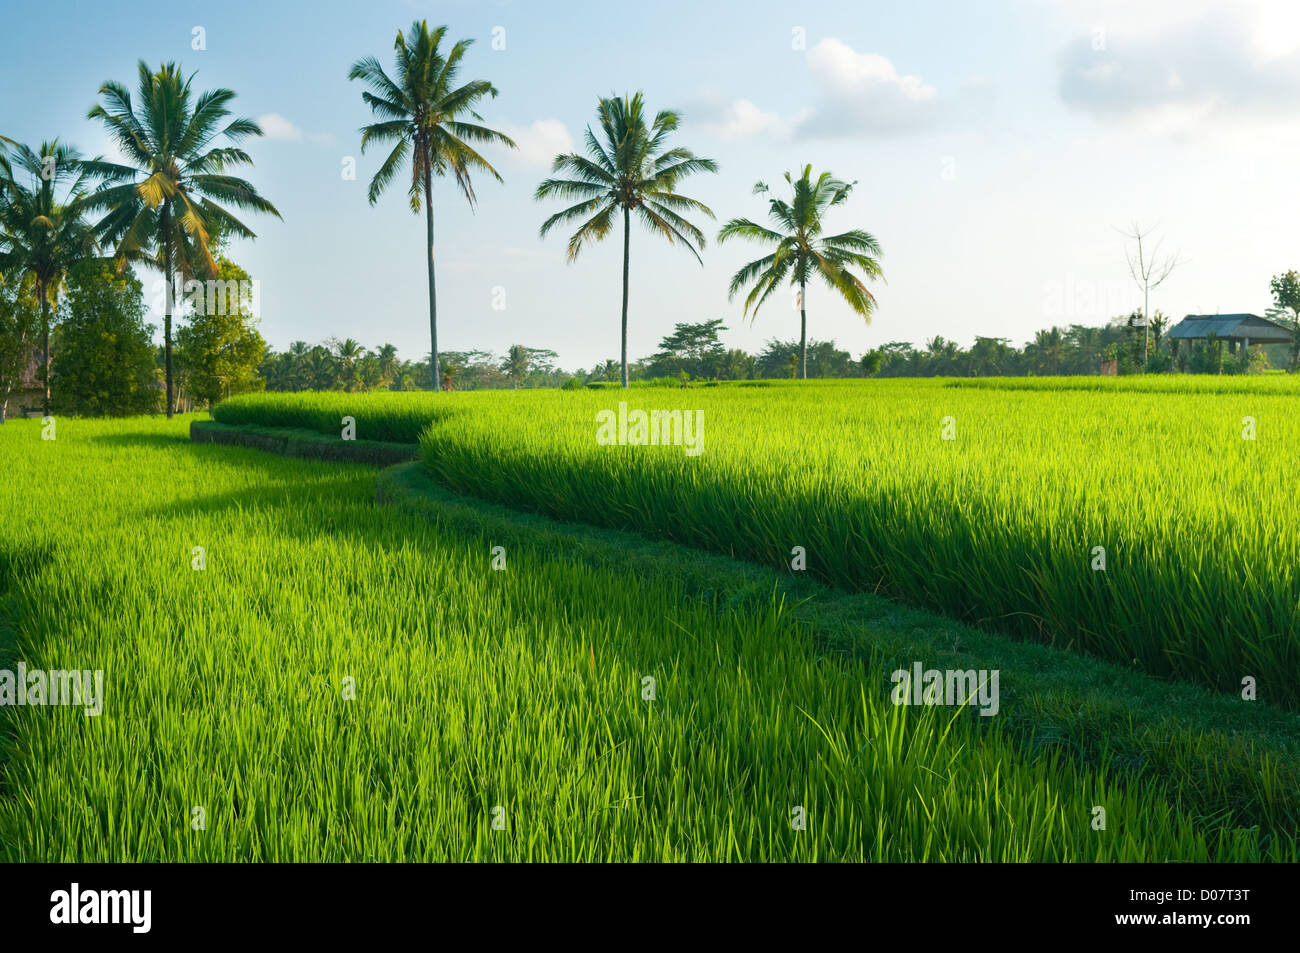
(151, 441)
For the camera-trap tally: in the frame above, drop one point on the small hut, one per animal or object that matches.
(1239, 330)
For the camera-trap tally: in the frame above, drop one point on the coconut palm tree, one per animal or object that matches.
(516, 364)
(43, 233)
(1046, 352)
(297, 356)
(389, 366)
(803, 252)
(322, 369)
(349, 352)
(423, 112)
(161, 207)
(632, 170)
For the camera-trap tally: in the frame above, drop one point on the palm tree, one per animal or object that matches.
(349, 352)
(297, 355)
(631, 170)
(42, 234)
(421, 112)
(803, 252)
(161, 208)
(322, 369)
(388, 364)
(1047, 351)
(516, 364)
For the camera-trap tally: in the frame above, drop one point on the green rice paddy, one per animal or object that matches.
(348, 677)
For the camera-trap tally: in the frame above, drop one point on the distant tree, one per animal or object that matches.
(1149, 270)
(1209, 357)
(105, 363)
(1046, 353)
(388, 364)
(735, 365)
(942, 358)
(802, 252)
(1159, 360)
(220, 348)
(348, 352)
(821, 359)
(43, 232)
(631, 171)
(424, 113)
(516, 364)
(693, 348)
(20, 324)
(991, 357)
(1286, 306)
(368, 372)
(607, 371)
(1159, 325)
(322, 368)
(897, 359)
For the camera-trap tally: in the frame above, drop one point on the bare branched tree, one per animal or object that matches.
(1149, 272)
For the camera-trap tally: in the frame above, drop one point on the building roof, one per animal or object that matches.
(1235, 326)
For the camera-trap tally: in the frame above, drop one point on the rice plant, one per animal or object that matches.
(336, 679)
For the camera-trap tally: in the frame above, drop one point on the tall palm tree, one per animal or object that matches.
(422, 112)
(43, 233)
(161, 208)
(803, 252)
(633, 171)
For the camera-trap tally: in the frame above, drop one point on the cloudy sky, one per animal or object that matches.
(999, 149)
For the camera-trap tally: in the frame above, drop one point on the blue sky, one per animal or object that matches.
(997, 147)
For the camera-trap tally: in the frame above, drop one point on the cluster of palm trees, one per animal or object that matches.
(337, 365)
(164, 206)
(174, 196)
(631, 170)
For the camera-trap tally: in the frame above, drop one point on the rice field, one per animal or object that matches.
(1156, 529)
(1182, 488)
(340, 679)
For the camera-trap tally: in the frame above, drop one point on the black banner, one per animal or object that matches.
(942, 903)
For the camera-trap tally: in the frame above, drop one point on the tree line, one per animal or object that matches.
(174, 202)
(175, 196)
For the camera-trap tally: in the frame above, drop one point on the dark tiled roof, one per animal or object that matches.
(1230, 326)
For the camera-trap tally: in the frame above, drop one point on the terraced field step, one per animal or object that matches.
(296, 442)
(1235, 761)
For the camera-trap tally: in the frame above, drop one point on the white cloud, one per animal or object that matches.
(734, 119)
(865, 92)
(275, 126)
(539, 142)
(1218, 69)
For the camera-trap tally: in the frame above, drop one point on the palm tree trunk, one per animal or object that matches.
(433, 295)
(627, 235)
(167, 308)
(43, 294)
(803, 334)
